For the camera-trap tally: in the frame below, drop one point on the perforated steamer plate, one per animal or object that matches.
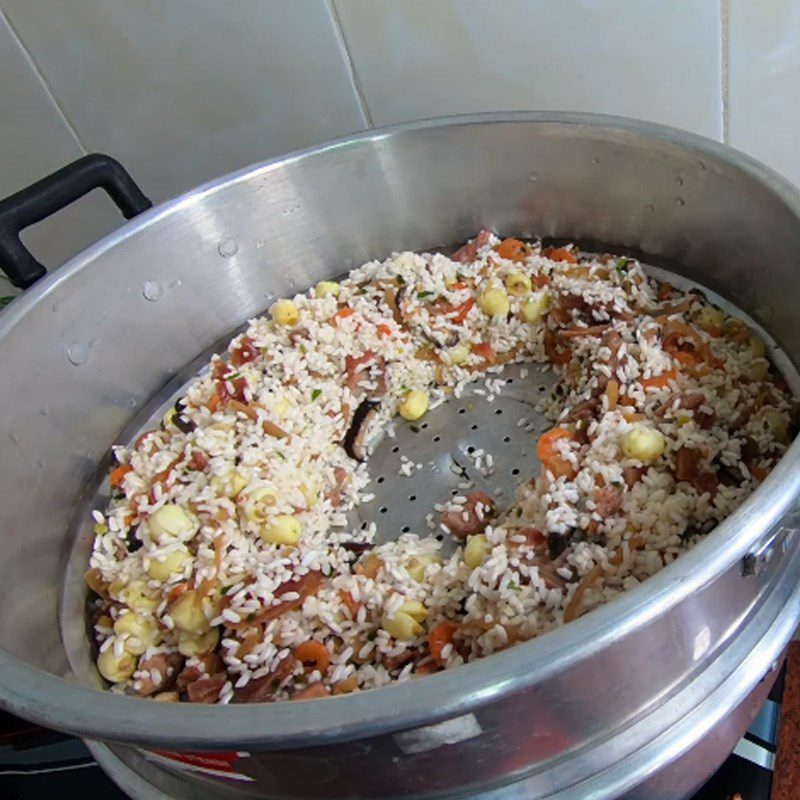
(444, 446)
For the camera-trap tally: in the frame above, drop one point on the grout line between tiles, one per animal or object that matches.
(350, 66)
(40, 75)
(725, 72)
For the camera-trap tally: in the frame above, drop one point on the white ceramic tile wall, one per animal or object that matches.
(651, 59)
(764, 103)
(35, 140)
(184, 90)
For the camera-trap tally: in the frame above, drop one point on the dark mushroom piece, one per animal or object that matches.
(182, 422)
(357, 548)
(357, 436)
(556, 544)
(132, 541)
(446, 339)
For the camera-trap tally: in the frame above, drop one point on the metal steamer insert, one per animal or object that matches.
(643, 698)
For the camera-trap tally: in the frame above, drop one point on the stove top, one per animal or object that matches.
(39, 764)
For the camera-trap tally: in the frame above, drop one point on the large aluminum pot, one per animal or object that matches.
(650, 691)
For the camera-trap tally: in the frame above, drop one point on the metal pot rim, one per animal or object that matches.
(85, 711)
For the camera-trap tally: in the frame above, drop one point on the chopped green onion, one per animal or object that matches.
(315, 394)
(423, 295)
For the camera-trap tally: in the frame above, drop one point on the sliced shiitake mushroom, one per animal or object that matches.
(357, 437)
(180, 420)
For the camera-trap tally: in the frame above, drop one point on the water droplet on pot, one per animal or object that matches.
(40, 463)
(679, 180)
(259, 244)
(77, 353)
(133, 402)
(650, 207)
(270, 296)
(152, 291)
(175, 284)
(533, 177)
(228, 247)
(14, 438)
(679, 201)
(44, 411)
(595, 161)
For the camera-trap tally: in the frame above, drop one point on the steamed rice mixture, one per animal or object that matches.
(224, 565)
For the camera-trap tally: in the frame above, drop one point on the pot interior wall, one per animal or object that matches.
(107, 333)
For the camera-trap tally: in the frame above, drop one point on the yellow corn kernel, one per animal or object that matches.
(188, 615)
(172, 564)
(735, 328)
(711, 317)
(285, 312)
(190, 645)
(133, 594)
(171, 522)
(141, 632)
(756, 346)
(518, 283)
(324, 288)
(683, 419)
(116, 669)
(777, 422)
(281, 407)
(402, 626)
(532, 311)
(459, 354)
(757, 370)
(99, 528)
(646, 444)
(418, 564)
(415, 610)
(475, 550)
(494, 303)
(284, 529)
(229, 484)
(168, 419)
(258, 502)
(413, 405)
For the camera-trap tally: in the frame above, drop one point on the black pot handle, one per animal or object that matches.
(51, 194)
